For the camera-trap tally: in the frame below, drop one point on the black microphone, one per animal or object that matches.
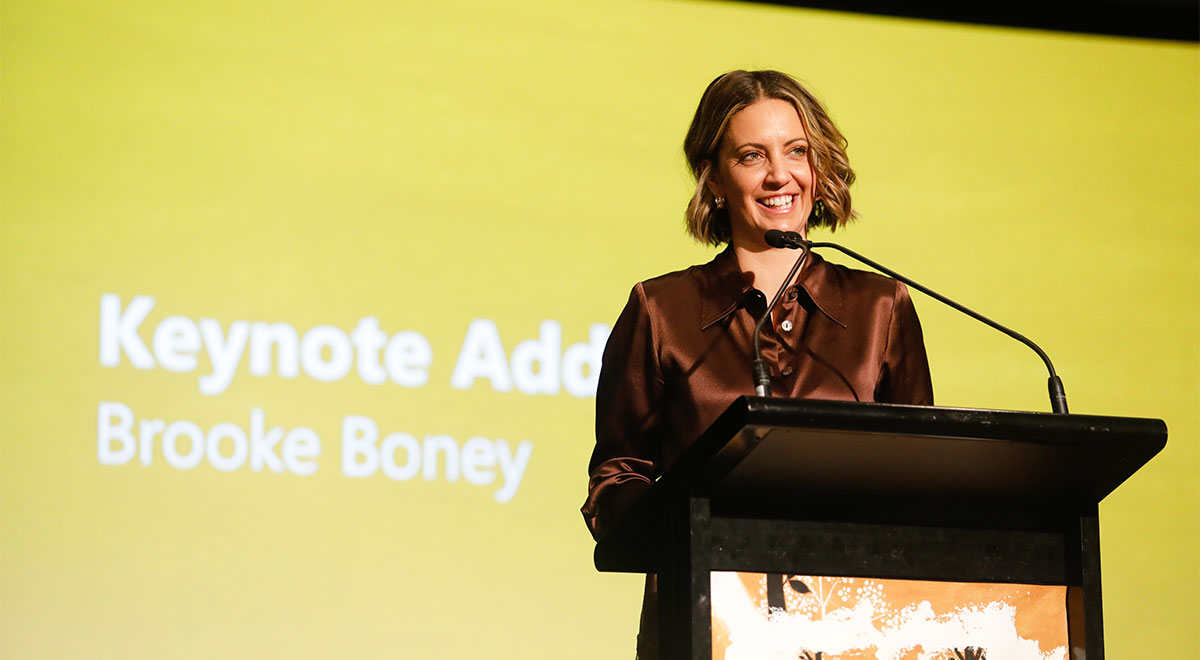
(762, 375)
(793, 240)
(783, 239)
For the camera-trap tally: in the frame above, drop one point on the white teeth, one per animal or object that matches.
(781, 202)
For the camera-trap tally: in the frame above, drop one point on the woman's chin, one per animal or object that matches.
(791, 222)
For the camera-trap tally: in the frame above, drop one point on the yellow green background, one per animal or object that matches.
(434, 163)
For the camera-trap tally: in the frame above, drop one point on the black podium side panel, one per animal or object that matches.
(887, 551)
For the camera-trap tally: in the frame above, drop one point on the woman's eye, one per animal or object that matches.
(800, 151)
(749, 157)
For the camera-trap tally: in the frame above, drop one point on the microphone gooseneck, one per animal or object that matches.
(762, 375)
(793, 240)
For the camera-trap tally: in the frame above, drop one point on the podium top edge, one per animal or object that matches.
(755, 411)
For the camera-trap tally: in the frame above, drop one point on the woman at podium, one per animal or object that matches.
(765, 155)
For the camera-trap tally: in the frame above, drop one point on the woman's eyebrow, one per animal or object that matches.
(757, 145)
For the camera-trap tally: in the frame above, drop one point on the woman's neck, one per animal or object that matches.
(767, 266)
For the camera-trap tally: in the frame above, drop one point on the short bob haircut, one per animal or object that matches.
(724, 98)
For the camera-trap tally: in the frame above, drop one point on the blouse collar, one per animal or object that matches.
(725, 287)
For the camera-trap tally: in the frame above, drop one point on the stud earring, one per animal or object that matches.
(818, 211)
(720, 202)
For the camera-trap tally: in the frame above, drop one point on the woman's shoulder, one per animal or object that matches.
(683, 294)
(846, 293)
(693, 280)
(863, 283)
(674, 283)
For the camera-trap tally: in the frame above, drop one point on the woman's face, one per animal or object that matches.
(763, 172)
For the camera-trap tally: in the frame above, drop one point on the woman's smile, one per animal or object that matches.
(778, 203)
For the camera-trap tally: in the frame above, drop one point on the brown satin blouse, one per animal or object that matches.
(681, 352)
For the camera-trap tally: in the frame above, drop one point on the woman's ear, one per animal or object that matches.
(709, 174)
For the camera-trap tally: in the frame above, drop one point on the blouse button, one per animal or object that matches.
(786, 325)
(786, 371)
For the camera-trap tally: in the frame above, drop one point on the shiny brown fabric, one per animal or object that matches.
(681, 352)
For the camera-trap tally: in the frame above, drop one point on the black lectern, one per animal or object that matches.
(884, 491)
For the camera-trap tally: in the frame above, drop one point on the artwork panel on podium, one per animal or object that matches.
(851, 618)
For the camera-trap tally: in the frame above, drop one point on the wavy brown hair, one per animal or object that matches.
(724, 98)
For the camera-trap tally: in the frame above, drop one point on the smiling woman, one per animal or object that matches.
(762, 176)
(765, 156)
(713, 129)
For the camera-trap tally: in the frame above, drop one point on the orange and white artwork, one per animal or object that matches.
(840, 618)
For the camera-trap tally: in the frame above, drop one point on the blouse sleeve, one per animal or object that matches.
(628, 418)
(905, 371)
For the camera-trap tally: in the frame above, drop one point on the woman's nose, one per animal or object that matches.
(777, 172)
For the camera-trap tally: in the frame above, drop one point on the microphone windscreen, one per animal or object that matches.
(783, 239)
(774, 238)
